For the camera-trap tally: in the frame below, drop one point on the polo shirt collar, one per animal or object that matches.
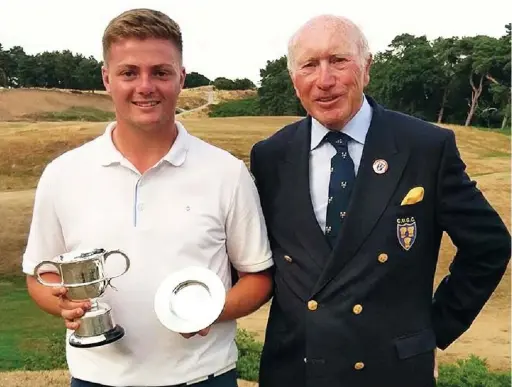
(176, 156)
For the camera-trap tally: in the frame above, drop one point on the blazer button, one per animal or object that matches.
(357, 309)
(287, 258)
(359, 365)
(382, 258)
(312, 305)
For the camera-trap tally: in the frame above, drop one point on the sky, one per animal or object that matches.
(234, 39)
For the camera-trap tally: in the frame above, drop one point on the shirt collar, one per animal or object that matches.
(176, 155)
(178, 152)
(356, 128)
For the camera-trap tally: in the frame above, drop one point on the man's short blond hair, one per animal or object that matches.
(142, 23)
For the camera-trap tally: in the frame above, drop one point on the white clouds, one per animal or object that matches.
(236, 38)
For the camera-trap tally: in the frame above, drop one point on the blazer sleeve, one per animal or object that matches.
(483, 248)
(256, 168)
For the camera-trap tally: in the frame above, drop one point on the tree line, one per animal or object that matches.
(57, 69)
(456, 80)
(66, 70)
(195, 79)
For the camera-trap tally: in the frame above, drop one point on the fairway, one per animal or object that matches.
(26, 148)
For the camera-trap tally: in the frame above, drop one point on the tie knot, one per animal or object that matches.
(338, 140)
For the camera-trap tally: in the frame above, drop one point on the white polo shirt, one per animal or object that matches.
(196, 206)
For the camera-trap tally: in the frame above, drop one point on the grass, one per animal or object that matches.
(36, 343)
(505, 131)
(74, 113)
(32, 342)
(497, 154)
(26, 147)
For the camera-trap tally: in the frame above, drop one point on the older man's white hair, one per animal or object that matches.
(342, 25)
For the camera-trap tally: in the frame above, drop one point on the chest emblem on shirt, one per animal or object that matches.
(406, 231)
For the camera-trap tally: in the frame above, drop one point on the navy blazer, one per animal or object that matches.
(362, 314)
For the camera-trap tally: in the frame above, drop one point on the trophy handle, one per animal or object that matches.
(42, 281)
(127, 261)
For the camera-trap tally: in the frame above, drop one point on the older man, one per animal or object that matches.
(356, 199)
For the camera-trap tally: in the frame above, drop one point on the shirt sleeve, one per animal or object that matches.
(248, 246)
(45, 238)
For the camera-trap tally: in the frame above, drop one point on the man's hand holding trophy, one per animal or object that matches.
(187, 302)
(83, 282)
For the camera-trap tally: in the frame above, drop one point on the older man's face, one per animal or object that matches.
(328, 75)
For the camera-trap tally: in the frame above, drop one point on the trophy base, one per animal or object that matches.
(95, 341)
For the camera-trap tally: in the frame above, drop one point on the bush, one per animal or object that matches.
(249, 353)
(472, 372)
(222, 83)
(236, 108)
(195, 79)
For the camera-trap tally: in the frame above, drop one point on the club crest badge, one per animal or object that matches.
(406, 232)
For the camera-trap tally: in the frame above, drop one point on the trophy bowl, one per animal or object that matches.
(83, 274)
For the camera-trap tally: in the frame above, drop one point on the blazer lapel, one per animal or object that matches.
(295, 176)
(371, 195)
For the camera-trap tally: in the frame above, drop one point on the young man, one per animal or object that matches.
(166, 199)
(356, 199)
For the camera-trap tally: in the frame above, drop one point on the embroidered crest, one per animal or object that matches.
(406, 231)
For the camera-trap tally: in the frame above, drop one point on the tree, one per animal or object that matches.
(195, 79)
(277, 95)
(408, 77)
(222, 83)
(243, 84)
(446, 51)
(500, 77)
(453, 80)
(3, 66)
(481, 56)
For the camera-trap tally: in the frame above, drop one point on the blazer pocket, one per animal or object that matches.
(415, 344)
(409, 210)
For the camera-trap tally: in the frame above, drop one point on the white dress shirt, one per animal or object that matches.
(322, 152)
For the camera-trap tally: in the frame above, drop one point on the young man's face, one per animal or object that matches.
(144, 79)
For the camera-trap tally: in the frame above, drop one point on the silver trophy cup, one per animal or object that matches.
(83, 275)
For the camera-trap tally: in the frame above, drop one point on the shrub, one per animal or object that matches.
(222, 83)
(249, 352)
(471, 372)
(236, 108)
